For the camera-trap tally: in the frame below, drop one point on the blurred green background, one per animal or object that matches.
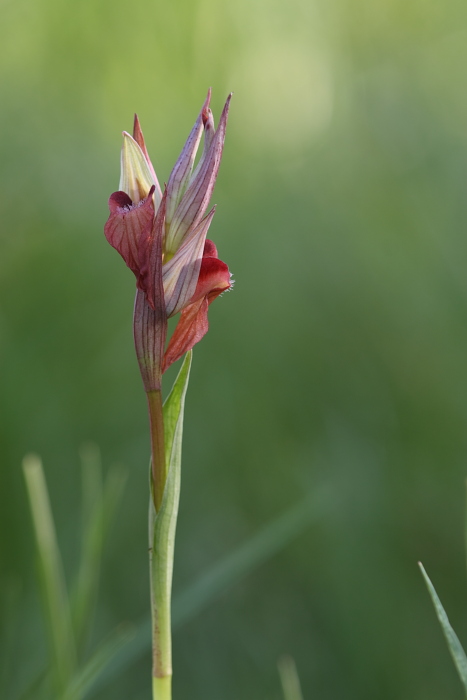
(340, 359)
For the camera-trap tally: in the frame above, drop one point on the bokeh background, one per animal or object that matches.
(339, 361)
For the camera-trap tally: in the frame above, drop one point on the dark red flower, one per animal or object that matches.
(162, 239)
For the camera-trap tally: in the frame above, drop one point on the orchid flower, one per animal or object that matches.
(162, 238)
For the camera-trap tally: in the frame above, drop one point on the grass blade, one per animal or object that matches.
(231, 569)
(465, 523)
(82, 684)
(99, 505)
(261, 547)
(55, 598)
(454, 645)
(33, 689)
(289, 679)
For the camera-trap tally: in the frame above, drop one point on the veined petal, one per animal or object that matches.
(196, 198)
(136, 178)
(139, 138)
(180, 275)
(182, 169)
(128, 224)
(150, 259)
(192, 326)
(150, 318)
(214, 278)
(149, 332)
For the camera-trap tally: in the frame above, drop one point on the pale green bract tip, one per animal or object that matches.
(135, 178)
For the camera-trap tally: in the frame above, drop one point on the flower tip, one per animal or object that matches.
(136, 127)
(205, 110)
(225, 111)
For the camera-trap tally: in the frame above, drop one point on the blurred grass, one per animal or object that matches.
(454, 646)
(340, 356)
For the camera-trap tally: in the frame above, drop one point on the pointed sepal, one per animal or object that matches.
(195, 200)
(182, 170)
(180, 275)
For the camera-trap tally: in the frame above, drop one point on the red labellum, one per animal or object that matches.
(214, 278)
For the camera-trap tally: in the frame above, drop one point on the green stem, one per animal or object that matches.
(160, 569)
(162, 688)
(160, 560)
(159, 467)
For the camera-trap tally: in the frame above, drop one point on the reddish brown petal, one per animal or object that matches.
(150, 317)
(150, 331)
(191, 327)
(150, 258)
(214, 278)
(210, 250)
(127, 225)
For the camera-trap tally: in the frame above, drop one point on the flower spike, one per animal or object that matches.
(162, 239)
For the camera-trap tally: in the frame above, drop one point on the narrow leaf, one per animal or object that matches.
(173, 414)
(55, 598)
(165, 520)
(454, 645)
